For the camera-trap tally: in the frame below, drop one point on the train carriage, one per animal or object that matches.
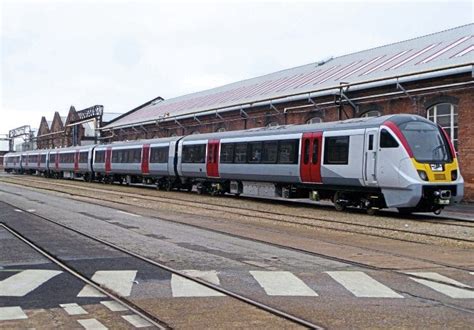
(12, 162)
(152, 160)
(71, 162)
(35, 161)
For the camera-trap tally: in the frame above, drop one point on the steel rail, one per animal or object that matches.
(124, 302)
(250, 301)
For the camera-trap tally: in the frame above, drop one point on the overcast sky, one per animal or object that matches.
(120, 54)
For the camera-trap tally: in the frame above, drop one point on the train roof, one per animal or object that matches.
(355, 123)
(135, 142)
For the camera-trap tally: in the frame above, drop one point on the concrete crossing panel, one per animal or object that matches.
(282, 283)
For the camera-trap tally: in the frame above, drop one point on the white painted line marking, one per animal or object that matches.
(26, 281)
(137, 321)
(17, 210)
(89, 291)
(114, 306)
(31, 210)
(92, 324)
(362, 285)
(73, 309)
(182, 287)
(12, 313)
(438, 277)
(119, 281)
(281, 283)
(130, 214)
(445, 289)
(207, 275)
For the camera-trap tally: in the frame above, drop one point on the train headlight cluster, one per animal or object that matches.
(423, 175)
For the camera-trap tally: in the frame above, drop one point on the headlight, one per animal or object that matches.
(423, 175)
(454, 175)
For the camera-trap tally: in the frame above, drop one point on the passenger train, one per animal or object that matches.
(396, 161)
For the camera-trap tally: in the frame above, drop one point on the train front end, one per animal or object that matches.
(434, 173)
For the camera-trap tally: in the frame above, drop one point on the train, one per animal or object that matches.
(395, 161)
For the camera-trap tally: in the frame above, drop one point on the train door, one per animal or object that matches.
(212, 164)
(370, 156)
(76, 161)
(310, 163)
(108, 159)
(146, 159)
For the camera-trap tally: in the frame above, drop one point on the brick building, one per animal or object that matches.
(77, 128)
(431, 76)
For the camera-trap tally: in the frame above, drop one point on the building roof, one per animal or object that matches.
(442, 50)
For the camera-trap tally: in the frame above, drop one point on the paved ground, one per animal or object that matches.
(326, 291)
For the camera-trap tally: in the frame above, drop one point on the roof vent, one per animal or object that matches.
(324, 61)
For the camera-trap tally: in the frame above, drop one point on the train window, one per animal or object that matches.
(270, 152)
(43, 158)
(100, 156)
(83, 157)
(194, 153)
(240, 155)
(137, 154)
(52, 158)
(227, 153)
(159, 155)
(315, 151)
(371, 142)
(288, 151)
(336, 150)
(387, 140)
(255, 152)
(115, 156)
(306, 151)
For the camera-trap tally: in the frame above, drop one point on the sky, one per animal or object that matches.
(120, 54)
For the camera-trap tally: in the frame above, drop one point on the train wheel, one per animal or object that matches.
(371, 211)
(338, 204)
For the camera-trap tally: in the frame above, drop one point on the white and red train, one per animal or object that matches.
(395, 161)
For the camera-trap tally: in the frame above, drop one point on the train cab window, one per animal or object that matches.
(240, 155)
(315, 151)
(227, 153)
(336, 150)
(288, 152)
(194, 153)
(387, 140)
(159, 155)
(270, 152)
(255, 152)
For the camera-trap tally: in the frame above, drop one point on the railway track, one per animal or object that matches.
(154, 320)
(251, 301)
(303, 220)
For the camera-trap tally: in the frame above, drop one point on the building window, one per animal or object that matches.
(372, 113)
(272, 124)
(314, 120)
(446, 116)
(220, 130)
(195, 132)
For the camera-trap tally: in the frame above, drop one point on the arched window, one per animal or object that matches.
(372, 113)
(195, 132)
(173, 134)
(272, 124)
(446, 115)
(314, 120)
(221, 129)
